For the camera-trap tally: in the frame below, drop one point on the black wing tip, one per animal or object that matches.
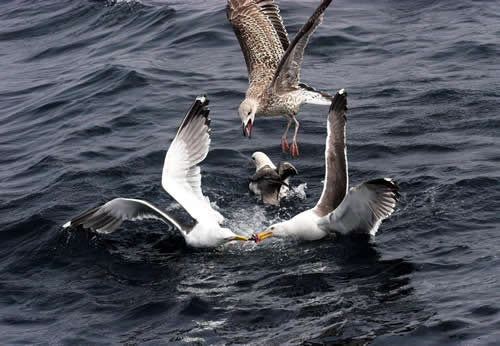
(326, 3)
(339, 102)
(199, 108)
(204, 102)
(322, 7)
(201, 105)
(387, 183)
(78, 222)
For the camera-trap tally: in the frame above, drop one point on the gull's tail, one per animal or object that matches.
(313, 96)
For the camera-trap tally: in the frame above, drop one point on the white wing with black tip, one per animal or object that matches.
(181, 176)
(364, 208)
(109, 216)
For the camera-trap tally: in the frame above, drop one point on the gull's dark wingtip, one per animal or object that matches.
(199, 108)
(339, 102)
(387, 183)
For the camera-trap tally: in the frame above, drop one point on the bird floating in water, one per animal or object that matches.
(181, 178)
(273, 64)
(361, 209)
(270, 182)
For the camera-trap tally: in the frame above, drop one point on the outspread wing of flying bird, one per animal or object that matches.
(273, 64)
(181, 178)
(269, 182)
(359, 209)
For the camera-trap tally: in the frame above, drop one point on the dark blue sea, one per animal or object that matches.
(92, 93)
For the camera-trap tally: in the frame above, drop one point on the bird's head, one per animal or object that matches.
(247, 111)
(260, 160)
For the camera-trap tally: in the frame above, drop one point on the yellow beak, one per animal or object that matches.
(240, 237)
(261, 236)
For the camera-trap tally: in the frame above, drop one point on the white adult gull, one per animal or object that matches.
(273, 64)
(181, 178)
(361, 209)
(269, 182)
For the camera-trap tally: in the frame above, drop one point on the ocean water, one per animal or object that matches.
(91, 94)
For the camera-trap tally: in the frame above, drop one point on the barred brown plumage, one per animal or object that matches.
(273, 64)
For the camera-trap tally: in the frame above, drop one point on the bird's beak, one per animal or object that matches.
(240, 237)
(258, 237)
(247, 129)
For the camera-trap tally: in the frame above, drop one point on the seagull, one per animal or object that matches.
(270, 182)
(181, 178)
(273, 64)
(361, 209)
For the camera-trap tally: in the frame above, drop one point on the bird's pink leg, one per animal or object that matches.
(294, 148)
(284, 143)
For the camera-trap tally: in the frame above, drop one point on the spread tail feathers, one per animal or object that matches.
(314, 96)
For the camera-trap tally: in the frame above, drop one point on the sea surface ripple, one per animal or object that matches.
(91, 94)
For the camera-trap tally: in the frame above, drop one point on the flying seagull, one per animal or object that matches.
(270, 182)
(273, 64)
(181, 178)
(361, 209)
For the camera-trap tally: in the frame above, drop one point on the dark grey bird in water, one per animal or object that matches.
(270, 182)
(273, 64)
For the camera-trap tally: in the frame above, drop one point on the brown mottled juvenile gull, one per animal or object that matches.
(273, 64)
(360, 209)
(181, 178)
(270, 182)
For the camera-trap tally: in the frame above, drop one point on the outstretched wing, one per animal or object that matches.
(181, 176)
(287, 74)
(109, 216)
(364, 208)
(272, 11)
(336, 180)
(286, 170)
(261, 34)
(266, 173)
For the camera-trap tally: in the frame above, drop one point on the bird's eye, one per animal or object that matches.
(272, 228)
(253, 158)
(249, 113)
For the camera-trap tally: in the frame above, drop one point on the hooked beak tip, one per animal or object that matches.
(248, 128)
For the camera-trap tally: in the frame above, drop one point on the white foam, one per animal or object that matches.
(297, 192)
(247, 221)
